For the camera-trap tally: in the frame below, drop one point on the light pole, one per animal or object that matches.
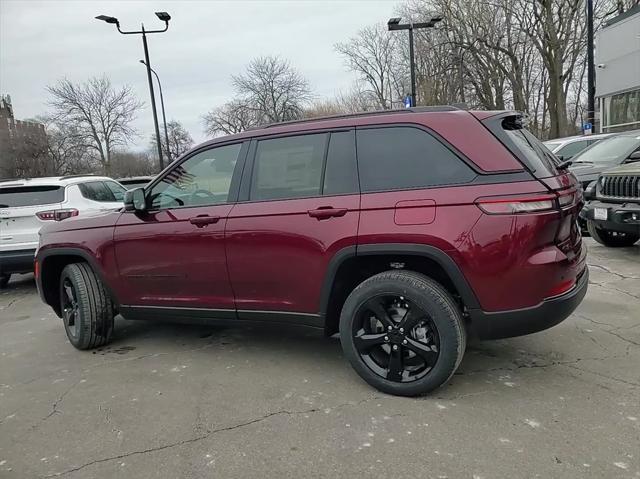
(591, 75)
(164, 116)
(394, 24)
(165, 17)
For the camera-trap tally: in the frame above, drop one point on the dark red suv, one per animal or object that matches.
(405, 231)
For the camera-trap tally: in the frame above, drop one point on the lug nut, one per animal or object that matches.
(404, 341)
(386, 338)
(389, 328)
(395, 347)
(402, 330)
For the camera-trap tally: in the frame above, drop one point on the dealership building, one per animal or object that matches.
(618, 72)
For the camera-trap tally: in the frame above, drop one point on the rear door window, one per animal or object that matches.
(15, 196)
(393, 158)
(288, 167)
(97, 191)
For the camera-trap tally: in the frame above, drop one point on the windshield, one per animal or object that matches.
(610, 150)
(552, 145)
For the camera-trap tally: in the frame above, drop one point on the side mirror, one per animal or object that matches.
(134, 200)
(589, 192)
(633, 157)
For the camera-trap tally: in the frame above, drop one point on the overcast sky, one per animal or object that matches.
(207, 42)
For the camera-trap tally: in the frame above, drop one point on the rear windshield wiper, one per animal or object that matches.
(563, 165)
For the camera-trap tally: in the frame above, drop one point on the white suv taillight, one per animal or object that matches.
(57, 215)
(509, 205)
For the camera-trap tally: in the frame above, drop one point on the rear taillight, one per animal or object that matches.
(509, 205)
(568, 197)
(57, 215)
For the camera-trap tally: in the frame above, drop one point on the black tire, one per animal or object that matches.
(4, 280)
(441, 318)
(613, 239)
(87, 309)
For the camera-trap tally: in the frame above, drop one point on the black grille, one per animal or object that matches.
(621, 186)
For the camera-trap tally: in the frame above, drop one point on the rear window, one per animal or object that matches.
(526, 147)
(30, 195)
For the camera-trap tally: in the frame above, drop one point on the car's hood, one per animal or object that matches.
(628, 169)
(85, 220)
(582, 170)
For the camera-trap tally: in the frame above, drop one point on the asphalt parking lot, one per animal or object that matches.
(166, 400)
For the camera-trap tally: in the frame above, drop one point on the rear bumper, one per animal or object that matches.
(507, 324)
(620, 217)
(17, 261)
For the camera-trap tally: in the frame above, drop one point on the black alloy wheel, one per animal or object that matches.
(396, 338)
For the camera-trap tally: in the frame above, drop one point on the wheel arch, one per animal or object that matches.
(52, 262)
(352, 265)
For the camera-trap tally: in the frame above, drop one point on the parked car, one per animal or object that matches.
(134, 181)
(27, 204)
(613, 213)
(569, 147)
(608, 153)
(403, 230)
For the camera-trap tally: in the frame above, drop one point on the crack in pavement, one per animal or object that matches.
(610, 331)
(613, 288)
(630, 383)
(56, 403)
(604, 268)
(208, 434)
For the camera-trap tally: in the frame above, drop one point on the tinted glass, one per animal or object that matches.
(288, 167)
(203, 179)
(571, 149)
(341, 174)
(30, 195)
(97, 191)
(405, 157)
(551, 145)
(116, 189)
(538, 158)
(610, 150)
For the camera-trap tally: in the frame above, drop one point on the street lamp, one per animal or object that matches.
(394, 24)
(165, 17)
(164, 117)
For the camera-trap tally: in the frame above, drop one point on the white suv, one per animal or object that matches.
(26, 204)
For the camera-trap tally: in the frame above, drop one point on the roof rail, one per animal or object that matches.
(415, 109)
(68, 177)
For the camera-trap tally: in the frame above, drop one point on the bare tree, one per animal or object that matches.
(133, 163)
(180, 140)
(230, 118)
(373, 55)
(272, 90)
(100, 114)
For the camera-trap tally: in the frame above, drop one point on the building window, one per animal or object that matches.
(621, 111)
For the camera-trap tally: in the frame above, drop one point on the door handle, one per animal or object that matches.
(203, 220)
(325, 212)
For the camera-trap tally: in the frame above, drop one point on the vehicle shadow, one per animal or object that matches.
(301, 345)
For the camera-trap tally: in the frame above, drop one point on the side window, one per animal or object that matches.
(203, 179)
(288, 167)
(572, 149)
(116, 189)
(97, 191)
(404, 157)
(341, 173)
